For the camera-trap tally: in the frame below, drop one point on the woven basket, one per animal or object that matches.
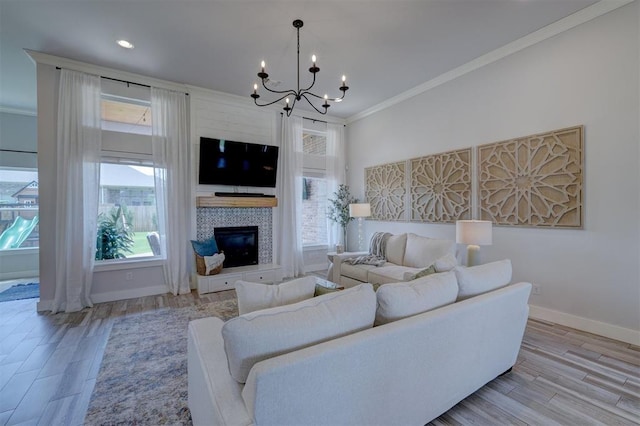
(201, 268)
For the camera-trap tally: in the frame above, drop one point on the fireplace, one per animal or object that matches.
(239, 244)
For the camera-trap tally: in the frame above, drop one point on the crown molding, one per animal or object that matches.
(71, 64)
(551, 30)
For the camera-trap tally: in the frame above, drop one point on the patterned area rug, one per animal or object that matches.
(143, 376)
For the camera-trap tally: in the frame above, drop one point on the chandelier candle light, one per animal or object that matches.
(298, 94)
(474, 233)
(360, 211)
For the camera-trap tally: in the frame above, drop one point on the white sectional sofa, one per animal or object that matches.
(405, 253)
(407, 371)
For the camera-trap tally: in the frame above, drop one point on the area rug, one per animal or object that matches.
(21, 291)
(143, 376)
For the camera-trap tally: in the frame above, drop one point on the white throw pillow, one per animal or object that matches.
(264, 334)
(446, 263)
(401, 300)
(476, 280)
(256, 296)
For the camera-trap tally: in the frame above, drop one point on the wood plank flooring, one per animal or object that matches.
(49, 364)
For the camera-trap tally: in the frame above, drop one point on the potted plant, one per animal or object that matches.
(339, 209)
(114, 237)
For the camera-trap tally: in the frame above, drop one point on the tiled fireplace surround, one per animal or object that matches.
(209, 218)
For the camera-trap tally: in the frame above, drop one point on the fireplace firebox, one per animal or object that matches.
(239, 244)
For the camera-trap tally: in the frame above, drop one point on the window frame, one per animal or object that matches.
(314, 166)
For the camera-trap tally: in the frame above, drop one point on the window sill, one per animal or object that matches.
(312, 247)
(120, 264)
(19, 251)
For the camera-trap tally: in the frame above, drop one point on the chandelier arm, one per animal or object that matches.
(303, 95)
(290, 92)
(255, 100)
(308, 88)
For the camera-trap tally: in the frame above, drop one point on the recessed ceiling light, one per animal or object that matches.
(126, 44)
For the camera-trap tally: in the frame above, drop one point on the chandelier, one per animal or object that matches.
(298, 94)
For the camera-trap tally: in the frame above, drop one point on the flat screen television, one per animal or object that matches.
(224, 162)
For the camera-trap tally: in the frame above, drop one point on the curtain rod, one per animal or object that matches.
(313, 119)
(125, 81)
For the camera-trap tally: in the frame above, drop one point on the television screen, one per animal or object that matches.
(224, 162)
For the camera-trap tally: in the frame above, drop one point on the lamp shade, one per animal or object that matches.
(360, 210)
(476, 232)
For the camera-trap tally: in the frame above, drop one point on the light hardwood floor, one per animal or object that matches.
(49, 364)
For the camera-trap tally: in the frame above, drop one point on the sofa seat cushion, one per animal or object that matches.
(358, 272)
(480, 279)
(256, 296)
(390, 274)
(422, 252)
(264, 334)
(400, 300)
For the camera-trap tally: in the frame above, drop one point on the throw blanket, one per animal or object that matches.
(367, 260)
(377, 251)
(378, 244)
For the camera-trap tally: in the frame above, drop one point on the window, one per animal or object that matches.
(314, 189)
(18, 208)
(127, 215)
(126, 211)
(314, 210)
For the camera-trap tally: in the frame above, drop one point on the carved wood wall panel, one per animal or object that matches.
(534, 180)
(440, 187)
(385, 190)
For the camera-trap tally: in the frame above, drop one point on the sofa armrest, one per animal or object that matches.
(337, 259)
(214, 397)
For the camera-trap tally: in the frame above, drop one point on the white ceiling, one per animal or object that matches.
(384, 47)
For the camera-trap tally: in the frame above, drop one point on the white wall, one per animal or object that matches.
(587, 75)
(18, 133)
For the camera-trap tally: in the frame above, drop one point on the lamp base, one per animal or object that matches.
(473, 255)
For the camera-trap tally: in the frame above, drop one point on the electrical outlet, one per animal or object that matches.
(128, 276)
(537, 290)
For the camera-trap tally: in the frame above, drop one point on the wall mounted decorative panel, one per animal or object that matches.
(440, 187)
(385, 190)
(534, 180)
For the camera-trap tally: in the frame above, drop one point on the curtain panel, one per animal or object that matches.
(171, 157)
(77, 184)
(288, 218)
(335, 175)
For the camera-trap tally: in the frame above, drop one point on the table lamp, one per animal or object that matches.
(473, 233)
(360, 211)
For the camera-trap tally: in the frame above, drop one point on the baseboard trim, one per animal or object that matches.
(610, 331)
(5, 276)
(111, 296)
(129, 294)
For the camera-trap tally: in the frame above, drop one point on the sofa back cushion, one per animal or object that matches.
(396, 248)
(256, 296)
(476, 280)
(400, 300)
(422, 252)
(264, 334)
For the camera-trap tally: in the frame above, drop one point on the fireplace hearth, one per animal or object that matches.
(239, 244)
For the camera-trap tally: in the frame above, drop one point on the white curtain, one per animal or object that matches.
(173, 193)
(77, 182)
(288, 220)
(336, 166)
